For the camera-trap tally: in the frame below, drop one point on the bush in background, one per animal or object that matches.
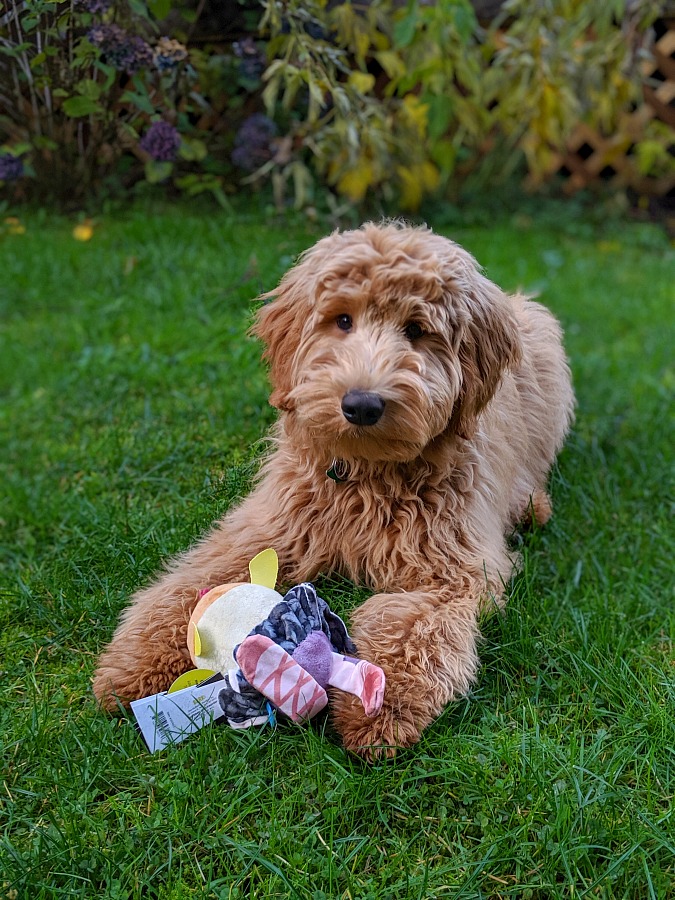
(395, 101)
(377, 101)
(92, 98)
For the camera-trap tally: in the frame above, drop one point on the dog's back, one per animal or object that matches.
(544, 384)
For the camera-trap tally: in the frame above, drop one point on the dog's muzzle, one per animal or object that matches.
(362, 407)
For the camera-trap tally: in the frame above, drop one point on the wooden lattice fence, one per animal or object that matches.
(591, 156)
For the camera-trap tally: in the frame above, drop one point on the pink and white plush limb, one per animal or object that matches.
(271, 670)
(296, 684)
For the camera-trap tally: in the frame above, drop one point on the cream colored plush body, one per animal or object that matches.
(223, 618)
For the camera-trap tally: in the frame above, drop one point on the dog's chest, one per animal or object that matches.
(389, 541)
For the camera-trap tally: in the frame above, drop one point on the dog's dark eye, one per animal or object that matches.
(344, 322)
(413, 331)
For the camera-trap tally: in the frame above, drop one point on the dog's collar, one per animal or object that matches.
(339, 471)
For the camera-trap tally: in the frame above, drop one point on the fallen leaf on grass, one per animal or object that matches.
(84, 231)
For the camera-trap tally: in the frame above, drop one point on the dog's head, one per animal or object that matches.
(383, 338)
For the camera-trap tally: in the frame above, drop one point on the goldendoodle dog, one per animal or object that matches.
(420, 411)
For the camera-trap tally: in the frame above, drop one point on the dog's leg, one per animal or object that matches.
(149, 648)
(426, 644)
(538, 510)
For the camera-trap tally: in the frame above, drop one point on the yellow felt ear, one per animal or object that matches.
(189, 679)
(198, 642)
(264, 568)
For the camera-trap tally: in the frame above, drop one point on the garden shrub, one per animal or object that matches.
(369, 93)
(393, 101)
(379, 101)
(91, 96)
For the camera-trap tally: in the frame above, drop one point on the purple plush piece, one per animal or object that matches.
(314, 654)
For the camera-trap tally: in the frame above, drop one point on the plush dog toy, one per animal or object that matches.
(287, 650)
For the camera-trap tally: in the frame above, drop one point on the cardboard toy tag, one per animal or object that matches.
(169, 718)
(264, 568)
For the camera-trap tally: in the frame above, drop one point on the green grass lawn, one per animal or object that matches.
(132, 406)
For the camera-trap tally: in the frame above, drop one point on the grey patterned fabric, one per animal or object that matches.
(245, 706)
(288, 624)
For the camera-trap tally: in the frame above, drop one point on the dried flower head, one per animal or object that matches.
(161, 141)
(168, 53)
(253, 143)
(125, 52)
(253, 62)
(11, 167)
(96, 7)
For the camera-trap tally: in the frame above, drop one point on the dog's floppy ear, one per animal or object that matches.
(278, 323)
(490, 345)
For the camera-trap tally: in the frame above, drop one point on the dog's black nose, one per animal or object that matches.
(362, 407)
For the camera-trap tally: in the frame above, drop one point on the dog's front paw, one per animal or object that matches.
(116, 684)
(373, 738)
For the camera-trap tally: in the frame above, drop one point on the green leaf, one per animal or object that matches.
(18, 149)
(155, 171)
(40, 142)
(444, 154)
(160, 9)
(192, 150)
(140, 8)
(140, 101)
(14, 51)
(84, 51)
(88, 88)
(270, 94)
(124, 128)
(404, 30)
(81, 106)
(439, 115)
(465, 22)
(110, 75)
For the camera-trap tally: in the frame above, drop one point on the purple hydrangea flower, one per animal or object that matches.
(253, 62)
(169, 53)
(96, 7)
(124, 52)
(11, 167)
(253, 142)
(161, 141)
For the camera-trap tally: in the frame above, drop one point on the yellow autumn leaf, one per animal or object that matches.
(549, 101)
(354, 183)
(429, 175)
(362, 81)
(14, 225)
(608, 246)
(417, 180)
(392, 63)
(411, 188)
(362, 43)
(379, 40)
(416, 112)
(84, 231)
